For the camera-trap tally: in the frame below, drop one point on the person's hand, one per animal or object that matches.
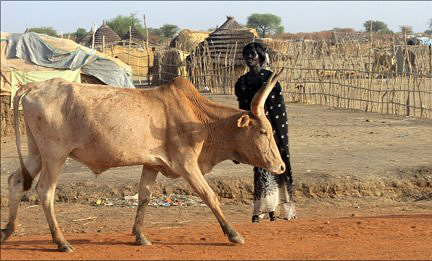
(236, 162)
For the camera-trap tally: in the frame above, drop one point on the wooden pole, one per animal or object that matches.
(430, 59)
(370, 73)
(130, 41)
(103, 43)
(93, 37)
(147, 48)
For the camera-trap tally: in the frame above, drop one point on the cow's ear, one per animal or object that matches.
(244, 121)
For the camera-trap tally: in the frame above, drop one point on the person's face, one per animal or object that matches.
(251, 57)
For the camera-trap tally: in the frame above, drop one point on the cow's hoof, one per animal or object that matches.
(142, 242)
(236, 238)
(67, 248)
(5, 234)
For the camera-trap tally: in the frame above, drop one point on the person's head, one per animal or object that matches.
(254, 53)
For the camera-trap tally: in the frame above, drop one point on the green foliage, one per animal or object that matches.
(120, 24)
(406, 29)
(44, 30)
(169, 30)
(155, 31)
(79, 34)
(279, 30)
(265, 23)
(429, 31)
(377, 26)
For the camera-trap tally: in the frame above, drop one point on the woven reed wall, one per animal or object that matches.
(137, 57)
(341, 75)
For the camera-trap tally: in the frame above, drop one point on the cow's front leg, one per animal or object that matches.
(195, 178)
(148, 178)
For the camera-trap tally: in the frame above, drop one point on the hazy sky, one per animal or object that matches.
(297, 16)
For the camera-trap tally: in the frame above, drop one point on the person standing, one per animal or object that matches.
(270, 191)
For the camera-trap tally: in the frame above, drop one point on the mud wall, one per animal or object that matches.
(7, 117)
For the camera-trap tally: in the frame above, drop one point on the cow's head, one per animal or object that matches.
(257, 145)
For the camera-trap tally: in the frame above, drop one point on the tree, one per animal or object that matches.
(265, 23)
(406, 29)
(429, 25)
(377, 26)
(154, 31)
(120, 24)
(169, 30)
(342, 30)
(43, 30)
(79, 34)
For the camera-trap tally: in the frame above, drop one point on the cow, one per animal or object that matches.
(170, 129)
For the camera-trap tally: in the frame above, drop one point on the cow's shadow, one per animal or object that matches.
(25, 245)
(193, 243)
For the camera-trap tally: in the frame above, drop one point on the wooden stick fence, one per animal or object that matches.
(346, 75)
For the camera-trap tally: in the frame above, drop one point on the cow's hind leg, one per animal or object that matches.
(46, 190)
(200, 185)
(16, 189)
(148, 178)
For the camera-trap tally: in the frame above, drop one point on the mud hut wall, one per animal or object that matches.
(339, 75)
(7, 117)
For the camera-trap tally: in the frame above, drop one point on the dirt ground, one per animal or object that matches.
(363, 184)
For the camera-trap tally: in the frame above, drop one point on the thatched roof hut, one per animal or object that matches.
(105, 35)
(86, 39)
(136, 35)
(187, 40)
(228, 37)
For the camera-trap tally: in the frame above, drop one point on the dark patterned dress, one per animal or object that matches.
(270, 191)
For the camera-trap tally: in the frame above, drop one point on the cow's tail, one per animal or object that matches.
(28, 180)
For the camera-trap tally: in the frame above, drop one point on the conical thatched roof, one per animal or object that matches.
(104, 31)
(229, 36)
(86, 39)
(136, 35)
(187, 40)
(230, 24)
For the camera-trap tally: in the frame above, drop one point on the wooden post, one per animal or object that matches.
(130, 40)
(148, 52)
(93, 38)
(430, 59)
(370, 72)
(103, 43)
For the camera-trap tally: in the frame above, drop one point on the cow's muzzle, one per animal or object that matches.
(278, 169)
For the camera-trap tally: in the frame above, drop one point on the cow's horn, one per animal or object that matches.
(257, 104)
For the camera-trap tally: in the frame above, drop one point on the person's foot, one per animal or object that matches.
(272, 216)
(289, 211)
(255, 219)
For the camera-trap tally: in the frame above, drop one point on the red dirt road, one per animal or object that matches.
(383, 237)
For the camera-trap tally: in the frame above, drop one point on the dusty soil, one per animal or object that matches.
(363, 186)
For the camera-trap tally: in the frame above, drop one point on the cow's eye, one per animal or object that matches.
(263, 132)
